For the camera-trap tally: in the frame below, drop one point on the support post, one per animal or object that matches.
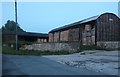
(16, 25)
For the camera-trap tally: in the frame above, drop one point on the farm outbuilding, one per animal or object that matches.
(9, 37)
(101, 30)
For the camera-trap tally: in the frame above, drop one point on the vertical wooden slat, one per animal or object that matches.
(59, 35)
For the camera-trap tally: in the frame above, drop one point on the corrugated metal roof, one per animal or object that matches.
(76, 23)
(89, 19)
(23, 33)
(35, 34)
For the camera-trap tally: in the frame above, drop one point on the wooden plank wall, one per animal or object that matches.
(108, 28)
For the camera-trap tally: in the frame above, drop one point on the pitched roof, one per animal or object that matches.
(76, 23)
(23, 33)
(34, 34)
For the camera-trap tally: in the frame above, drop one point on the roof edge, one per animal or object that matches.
(81, 22)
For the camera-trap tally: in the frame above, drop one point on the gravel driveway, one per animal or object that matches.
(97, 60)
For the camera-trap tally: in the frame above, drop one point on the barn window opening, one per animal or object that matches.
(110, 19)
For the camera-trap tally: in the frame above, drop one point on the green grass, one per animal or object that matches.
(118, 48)
(93, 47)
(0, 49)
(9, 50)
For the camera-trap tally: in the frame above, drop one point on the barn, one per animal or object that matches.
(101, 30)
(9, 37)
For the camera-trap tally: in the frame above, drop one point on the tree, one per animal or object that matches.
(11, 26)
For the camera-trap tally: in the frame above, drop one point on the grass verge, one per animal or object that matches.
(93, 47)
(12, 51)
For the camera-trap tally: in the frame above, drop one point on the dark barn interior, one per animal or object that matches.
(9, 38)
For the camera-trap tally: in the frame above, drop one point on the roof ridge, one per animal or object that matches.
(77, 22)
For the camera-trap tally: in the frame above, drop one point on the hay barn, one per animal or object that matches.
(8, 38)
(101, 30)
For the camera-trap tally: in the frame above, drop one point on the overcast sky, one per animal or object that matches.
(44, 16)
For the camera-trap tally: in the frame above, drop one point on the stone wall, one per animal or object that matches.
(109, 44)
(71, 47)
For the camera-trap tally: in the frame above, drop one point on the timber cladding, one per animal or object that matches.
(64, 35)
(67, 35)
(73, 34)
(108, 26)
(51, 37)
(100, 28)
(56, 37)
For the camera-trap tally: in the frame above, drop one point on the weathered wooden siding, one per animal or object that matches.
(108, 26)
(56, 37)
(81, 29)
(103, 30)
(64, 35)
(51, 37)
(73, 34)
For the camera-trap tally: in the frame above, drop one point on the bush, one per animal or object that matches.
(118, 48)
